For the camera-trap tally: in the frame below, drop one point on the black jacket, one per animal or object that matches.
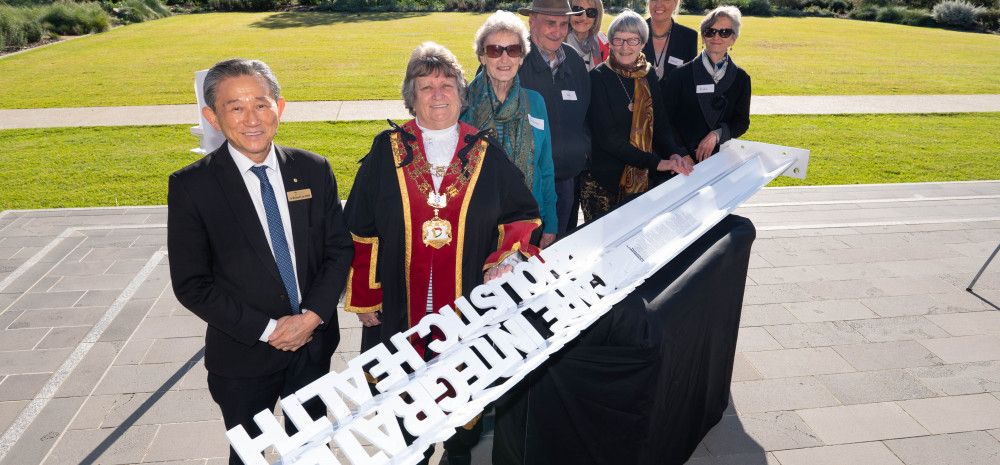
(223, 270)
(693, 114)
(567, 117)
(683, 46)
(611, 124)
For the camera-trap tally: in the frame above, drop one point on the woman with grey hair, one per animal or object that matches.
(626, 112)
(708, 99)
(585, 34)
(435, 210)
(513, 115)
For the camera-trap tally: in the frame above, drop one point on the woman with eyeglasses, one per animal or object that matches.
(670, 44)
(708, 99)
(514, 116)
(585, 34)
(632, 136)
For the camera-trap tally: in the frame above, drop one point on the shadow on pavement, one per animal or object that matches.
(984, 299)
(95, 454)
(290, 19)
(728, 442)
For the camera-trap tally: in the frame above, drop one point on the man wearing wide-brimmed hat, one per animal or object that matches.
(556, 71)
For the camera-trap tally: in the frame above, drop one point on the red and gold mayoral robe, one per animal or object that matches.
(399, 237)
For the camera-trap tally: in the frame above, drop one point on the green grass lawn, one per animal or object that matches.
(83, 167)
(327, 56)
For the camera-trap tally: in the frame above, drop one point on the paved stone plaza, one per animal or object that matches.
(858, 341)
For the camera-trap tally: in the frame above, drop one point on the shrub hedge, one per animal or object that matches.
(244, 5)
(989, 20)
(956, 13)
(137, 11)
(19, 27)
(25, 22)
(75, 18)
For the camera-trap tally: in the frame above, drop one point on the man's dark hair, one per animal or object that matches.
(237, 67)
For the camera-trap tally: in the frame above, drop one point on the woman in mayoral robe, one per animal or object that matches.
(435, 210)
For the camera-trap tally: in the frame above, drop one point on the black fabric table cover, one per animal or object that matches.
(646, 382)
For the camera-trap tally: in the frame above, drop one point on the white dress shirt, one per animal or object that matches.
(243, 163)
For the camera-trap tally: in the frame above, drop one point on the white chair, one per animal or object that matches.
(210, 139)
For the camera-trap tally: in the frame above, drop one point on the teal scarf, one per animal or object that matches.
(507, 121)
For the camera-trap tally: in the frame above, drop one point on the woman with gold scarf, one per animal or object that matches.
(631, 133)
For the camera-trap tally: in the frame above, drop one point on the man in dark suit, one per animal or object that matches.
(258, 249)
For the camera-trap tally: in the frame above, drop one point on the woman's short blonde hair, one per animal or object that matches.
(501, 21)
(677, 7)
(428, 59)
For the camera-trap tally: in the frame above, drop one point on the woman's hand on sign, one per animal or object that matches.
(677, 164)
(496, 272)
(369, 319)
(706, 146)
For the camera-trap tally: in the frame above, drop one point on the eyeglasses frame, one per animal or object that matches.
(508, 49)
(590, 12)
(626, 41)
(725, 32)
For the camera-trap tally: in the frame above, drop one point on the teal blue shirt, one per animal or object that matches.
(544, 183)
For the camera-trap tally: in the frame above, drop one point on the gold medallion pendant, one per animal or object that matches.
(437, 201)
(437, 231)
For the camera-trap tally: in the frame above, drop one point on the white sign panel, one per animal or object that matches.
(488, 343)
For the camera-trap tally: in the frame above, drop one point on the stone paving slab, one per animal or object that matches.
(868, 453)
(858, 341)
(355, 110)
(973, 448)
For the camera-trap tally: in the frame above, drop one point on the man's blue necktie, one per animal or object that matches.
(278, 242)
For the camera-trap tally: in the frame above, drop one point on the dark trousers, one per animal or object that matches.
(242, 398)
(566, 205)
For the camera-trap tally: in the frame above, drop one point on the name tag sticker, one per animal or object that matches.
(300, 194)
(569, 95)
(675, 61)
(537, 123)
(705, 89)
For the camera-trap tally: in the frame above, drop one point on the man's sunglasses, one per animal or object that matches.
(724, 33)
(590, 12)
(513, 50)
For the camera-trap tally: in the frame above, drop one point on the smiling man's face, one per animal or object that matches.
(247, 114)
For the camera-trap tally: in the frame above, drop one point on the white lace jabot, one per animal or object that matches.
(439, 145)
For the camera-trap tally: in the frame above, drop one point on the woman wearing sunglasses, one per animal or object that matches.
(515, 116)
(671, 44)
(708, 99)
(632, 137)
(585, 34)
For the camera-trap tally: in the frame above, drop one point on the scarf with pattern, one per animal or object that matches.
(635, 180)
(507, 121)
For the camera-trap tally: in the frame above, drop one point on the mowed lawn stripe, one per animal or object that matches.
(334, 56)
(84, 167)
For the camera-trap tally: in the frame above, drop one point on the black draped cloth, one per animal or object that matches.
(648, 380)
